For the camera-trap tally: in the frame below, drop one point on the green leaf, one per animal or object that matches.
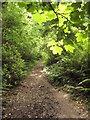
(50, 15)
(32, 9)
(51, 48)
(84, 81)
(81, 37)
(69, 9)
(66, 30)
(62, 7)
(21, 4)
(75, 16)
(60, 42)
(76, 5)
(51, 43)
(39, 18)
(69, 48)
(59, 50)
(56, 50)
(61, 20)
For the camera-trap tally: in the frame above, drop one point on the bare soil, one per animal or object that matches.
(35, 97)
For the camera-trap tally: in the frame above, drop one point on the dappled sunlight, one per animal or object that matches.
(40, 76)
(42, 71)
(66, 96)
(45, 47)
(33, 75)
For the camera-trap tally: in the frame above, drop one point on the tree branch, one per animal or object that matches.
(67, 19)
(62, 16)
(54, 10)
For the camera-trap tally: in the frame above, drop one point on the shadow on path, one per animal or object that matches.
(36, 98)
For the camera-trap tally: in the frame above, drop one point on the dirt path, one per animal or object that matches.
(36, 98)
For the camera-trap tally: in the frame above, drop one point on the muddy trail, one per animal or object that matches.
(35, 97)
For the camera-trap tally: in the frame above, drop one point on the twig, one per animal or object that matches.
(53, 10)
(67, 19)
(62, 16)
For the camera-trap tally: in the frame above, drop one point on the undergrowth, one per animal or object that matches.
(71, 74)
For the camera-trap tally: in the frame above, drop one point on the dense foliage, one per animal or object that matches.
(19, 43)
(57, 32)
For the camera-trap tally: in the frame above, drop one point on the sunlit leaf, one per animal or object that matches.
(55, 49)
(66, 30)
(61, 20)
(50, 15)
(69, 48)
(51, 48)
(62, 7)
(51, 43)
(81, 37)
(60, 42)
(39, 18)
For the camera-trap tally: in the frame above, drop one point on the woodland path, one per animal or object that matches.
(36, 98)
